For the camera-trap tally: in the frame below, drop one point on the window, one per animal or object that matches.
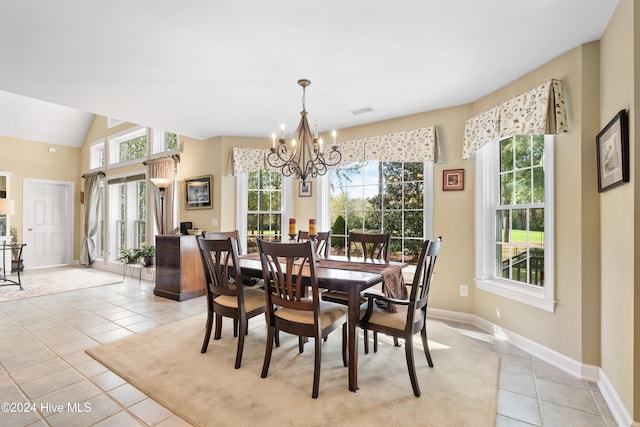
(514, 202)
(164, 141)
(127, 213)
(383, 197)
(128, 146)
(96, 155)
(264, 213)
(262, 198)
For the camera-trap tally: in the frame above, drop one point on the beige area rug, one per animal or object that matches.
(206, 390)
(55, 280)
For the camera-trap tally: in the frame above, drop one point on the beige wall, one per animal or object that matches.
(29, 159)
(618, 211)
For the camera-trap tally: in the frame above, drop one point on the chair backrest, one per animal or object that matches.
(323, 241)
(287, 269)
(224, 235)
(372, 245)
(424, 272)
(220, 258)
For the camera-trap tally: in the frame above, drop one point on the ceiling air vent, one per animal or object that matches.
(362, 110)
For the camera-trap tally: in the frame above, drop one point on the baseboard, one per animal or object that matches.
(579, 370)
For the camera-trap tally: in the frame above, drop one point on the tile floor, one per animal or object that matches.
(43, 365)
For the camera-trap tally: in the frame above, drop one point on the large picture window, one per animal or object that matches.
(265, 211)
(515, 219)
(382, 197)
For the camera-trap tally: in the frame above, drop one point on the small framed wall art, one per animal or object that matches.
(304, 189)
(197, 192)
(612, 147)
(452, 179)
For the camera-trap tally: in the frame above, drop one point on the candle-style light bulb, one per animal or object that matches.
(333, 134)
(273, 140)
(315, 134)
(282, 131)
(320, 144)
(293, 142)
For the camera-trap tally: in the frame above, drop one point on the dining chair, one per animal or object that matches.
(288, 269)
(226, 295)
(411, 314)
(367, 245)
(322, 243)
(249, 281)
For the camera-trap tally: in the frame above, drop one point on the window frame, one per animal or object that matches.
(95, 162)
(115, 141)
(242, 207)
(487, 199)
(159, 139)
(324, 203)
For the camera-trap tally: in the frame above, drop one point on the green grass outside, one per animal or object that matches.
(520, 236)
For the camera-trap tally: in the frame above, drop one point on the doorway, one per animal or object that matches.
(47, 223)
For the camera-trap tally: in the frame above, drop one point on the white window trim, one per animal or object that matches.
(324, 204)
(242, 207)
(487, 196)
(156, 143)
(92, 148)
(114, 143)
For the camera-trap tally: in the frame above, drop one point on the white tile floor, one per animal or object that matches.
(43, 365)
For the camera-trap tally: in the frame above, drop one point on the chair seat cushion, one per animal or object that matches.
(253, 299)
(383, 317)
(329, 313)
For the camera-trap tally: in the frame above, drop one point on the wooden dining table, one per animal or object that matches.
(352, 281)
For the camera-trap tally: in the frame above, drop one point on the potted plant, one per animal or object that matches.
(146, 253)
(129, 256)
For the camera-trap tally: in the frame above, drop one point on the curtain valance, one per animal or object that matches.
(536, 112)
(416, 145)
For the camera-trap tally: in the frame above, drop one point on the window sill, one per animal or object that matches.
(535, 297)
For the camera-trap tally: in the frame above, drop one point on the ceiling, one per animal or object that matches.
(205, 68)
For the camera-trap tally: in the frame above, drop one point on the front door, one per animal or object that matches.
(47, 222)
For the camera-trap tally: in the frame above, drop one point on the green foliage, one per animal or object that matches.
(129, 256)
(338, 229)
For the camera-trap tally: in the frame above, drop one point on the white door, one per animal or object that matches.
(47, 222)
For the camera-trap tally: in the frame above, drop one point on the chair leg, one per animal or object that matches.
(218, 333)
(408, 349)
(425, 345)
(395, 342)
(207, 334)
(375, 341)
(316, 368)
(267, 352)
(366, 341)
(344, 345)
(301, 344)
(235, 327)
(241, 334)
(277, 338)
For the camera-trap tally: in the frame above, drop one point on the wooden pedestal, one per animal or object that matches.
(179, 270)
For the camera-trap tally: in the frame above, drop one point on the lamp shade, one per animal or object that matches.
(7, 207)
(161, 183)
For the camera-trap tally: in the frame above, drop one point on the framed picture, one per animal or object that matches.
(304, 190)
(612, 146)
(197, 192)
(453, 179)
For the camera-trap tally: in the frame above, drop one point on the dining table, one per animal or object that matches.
(338, 273)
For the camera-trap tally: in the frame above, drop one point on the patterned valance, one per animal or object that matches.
(417, 145)
(536, 112)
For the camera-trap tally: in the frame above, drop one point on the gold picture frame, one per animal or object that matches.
(198, 193)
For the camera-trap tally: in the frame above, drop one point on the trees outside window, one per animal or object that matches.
(264, 213)
(379, 196)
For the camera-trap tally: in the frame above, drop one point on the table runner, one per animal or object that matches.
(392, 274)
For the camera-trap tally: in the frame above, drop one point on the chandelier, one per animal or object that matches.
(306, 156)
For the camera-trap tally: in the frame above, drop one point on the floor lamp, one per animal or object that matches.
(162, 184)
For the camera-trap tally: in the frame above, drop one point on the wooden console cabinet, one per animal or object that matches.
(179, 271)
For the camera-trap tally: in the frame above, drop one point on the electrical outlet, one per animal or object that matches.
(464, 290)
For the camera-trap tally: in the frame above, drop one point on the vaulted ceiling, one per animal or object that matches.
(205, 68)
